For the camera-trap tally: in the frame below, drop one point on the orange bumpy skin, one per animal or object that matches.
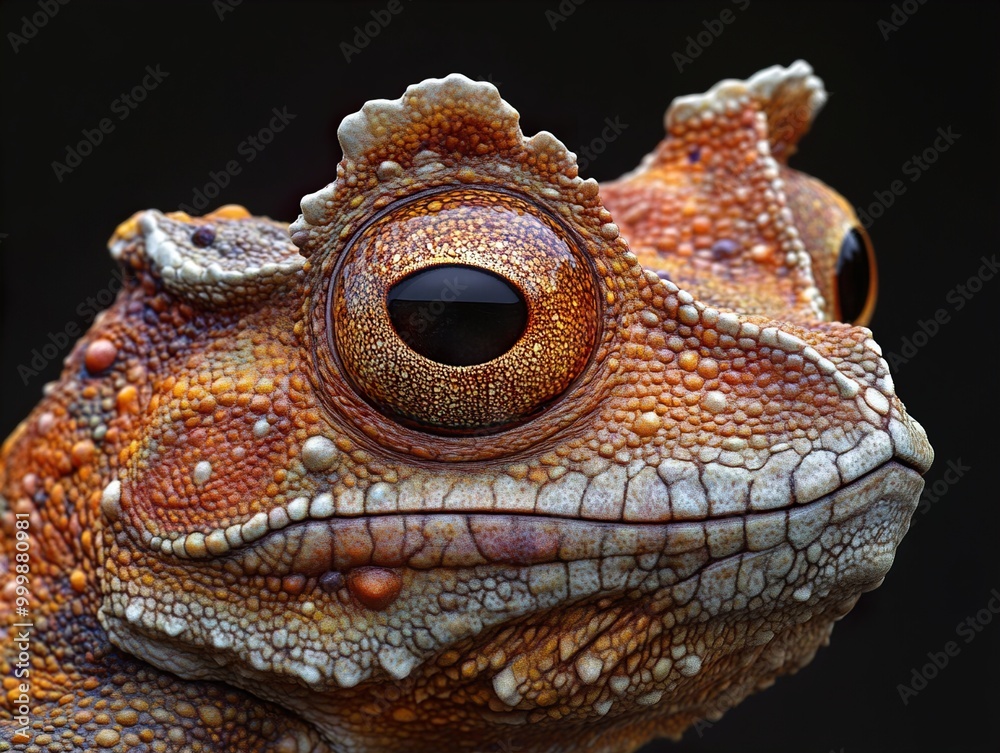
(260, 520)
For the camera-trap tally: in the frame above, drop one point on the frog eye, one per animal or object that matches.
(463, 311)
(856, 278)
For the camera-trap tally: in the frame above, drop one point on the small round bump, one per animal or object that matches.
(234, 535)
(202, 472)
(99, 356)
(647, 424)
(45, 422)
(78, 581)
(318, 453)
(298, 508)
(277, 519)
(375, 587)
(127, 399)
(321, 506)
(254, 528)
(30, 483)
(81, 453)
(688, 315)
(715, 402)
(107, 738)
(216, 543)
(194, 544)
(688, 360)
(111, 500)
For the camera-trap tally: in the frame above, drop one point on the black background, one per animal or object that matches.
(605, 60)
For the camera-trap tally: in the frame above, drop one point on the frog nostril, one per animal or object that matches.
(457, 315)
(203, 236)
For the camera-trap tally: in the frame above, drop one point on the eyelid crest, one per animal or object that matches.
(790, 99)
(452, 132)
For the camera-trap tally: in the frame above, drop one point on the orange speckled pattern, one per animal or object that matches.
(260, 520)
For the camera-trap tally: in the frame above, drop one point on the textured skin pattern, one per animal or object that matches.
(259, 521)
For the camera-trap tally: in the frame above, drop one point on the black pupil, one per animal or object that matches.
(457, 315)
(853, 276)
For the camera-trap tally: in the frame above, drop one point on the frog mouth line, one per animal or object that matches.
(429, 540)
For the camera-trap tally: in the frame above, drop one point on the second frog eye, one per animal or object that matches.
(463, 311)
(856, 282)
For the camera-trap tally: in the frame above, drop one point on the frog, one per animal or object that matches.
(476, 452)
